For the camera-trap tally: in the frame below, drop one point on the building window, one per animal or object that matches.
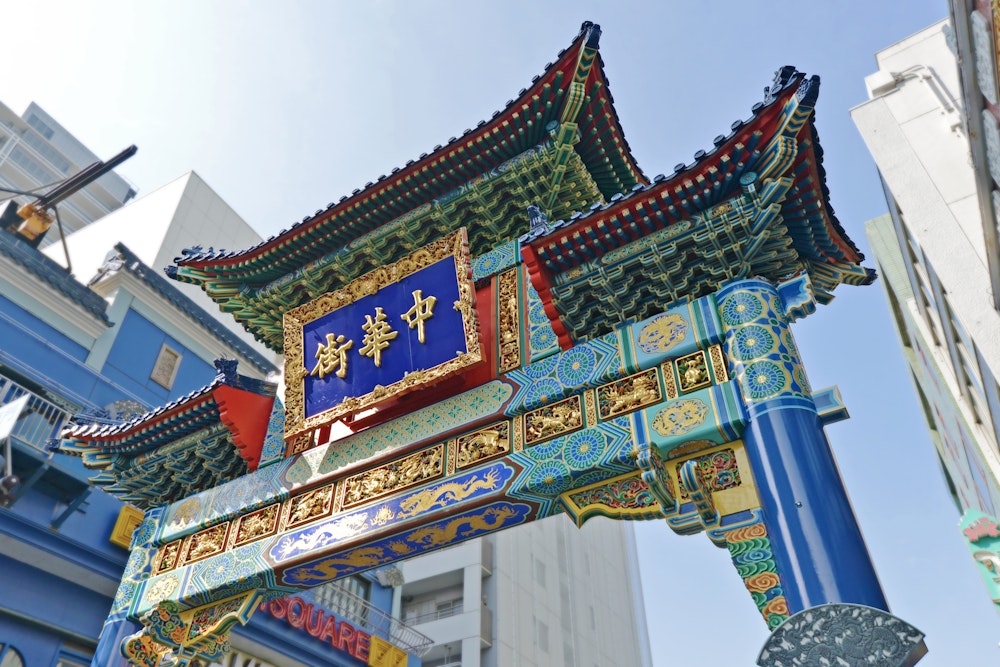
(448, 608)
(539, 572)
(32, 167)
(40, 125)
(165, 368)
(10, 657)
(541, 636)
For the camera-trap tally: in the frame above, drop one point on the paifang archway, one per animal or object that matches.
(516, 325)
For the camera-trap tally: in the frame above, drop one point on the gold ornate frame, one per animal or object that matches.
(454, 245)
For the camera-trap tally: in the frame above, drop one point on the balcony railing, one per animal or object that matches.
(437, 614)
(39, 421)
(378, 622)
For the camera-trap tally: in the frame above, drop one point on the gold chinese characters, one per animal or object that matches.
(331, 358)
(423, 309)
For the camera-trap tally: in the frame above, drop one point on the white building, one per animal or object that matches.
(937, 248)
(36, 152)
(543, 594)
(156, 228)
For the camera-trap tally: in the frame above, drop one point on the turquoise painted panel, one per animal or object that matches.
(587, 365)
(713, 414)
(427, 538)
(572, 461)
(676, 332)
(388, 514)
(542, 340)
(274, 442)
(275, 482)
(497, 260)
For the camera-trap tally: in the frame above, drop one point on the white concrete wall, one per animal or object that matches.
(923, 155)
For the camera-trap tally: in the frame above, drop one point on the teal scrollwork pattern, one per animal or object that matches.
(662, 333)
(680, 417)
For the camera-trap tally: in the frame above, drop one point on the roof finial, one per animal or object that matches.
(227, 368)
(593, 33)
(539, 221)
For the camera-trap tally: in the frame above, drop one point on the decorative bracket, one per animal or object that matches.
(178, 637)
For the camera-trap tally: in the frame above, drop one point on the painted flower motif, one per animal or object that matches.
(741, 308)
(484, 265)
(542, 338)
(218, 570)
(550, 478)
(763, 379)
(536, 309)
(144, 533)
(575, 366)
(546, 450)
(584, 450)
(543, 392)
(752, 342)
(542, 368)
(124, 595)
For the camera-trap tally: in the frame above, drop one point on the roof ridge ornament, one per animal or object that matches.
(593, 34)
(226, 368)
(539, 220)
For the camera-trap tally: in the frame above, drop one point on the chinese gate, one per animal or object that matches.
(517, 325)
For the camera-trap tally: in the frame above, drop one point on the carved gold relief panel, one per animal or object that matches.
(484, 444)
(394, 476)
(628, 394)
(552, 420)
(508, 321)
(204, 544)
(168, 557)
(256, 525)
(693, 372)
(308, 506)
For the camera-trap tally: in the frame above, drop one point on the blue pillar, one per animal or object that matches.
(117, 627)
(108, 653)
(817, 544)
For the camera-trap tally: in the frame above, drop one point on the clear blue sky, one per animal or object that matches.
(284, 107)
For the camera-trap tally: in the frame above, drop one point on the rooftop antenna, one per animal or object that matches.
(32, 220)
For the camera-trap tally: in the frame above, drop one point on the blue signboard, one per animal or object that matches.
(405, 325)
(379, 339)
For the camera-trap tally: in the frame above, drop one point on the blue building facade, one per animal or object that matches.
(111, 349)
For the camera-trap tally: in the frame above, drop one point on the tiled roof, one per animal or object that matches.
(156, 427)
(199, 441)
(522, 124)
(153, 279)
(53, 274)
(756, 203)
(682, 200)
